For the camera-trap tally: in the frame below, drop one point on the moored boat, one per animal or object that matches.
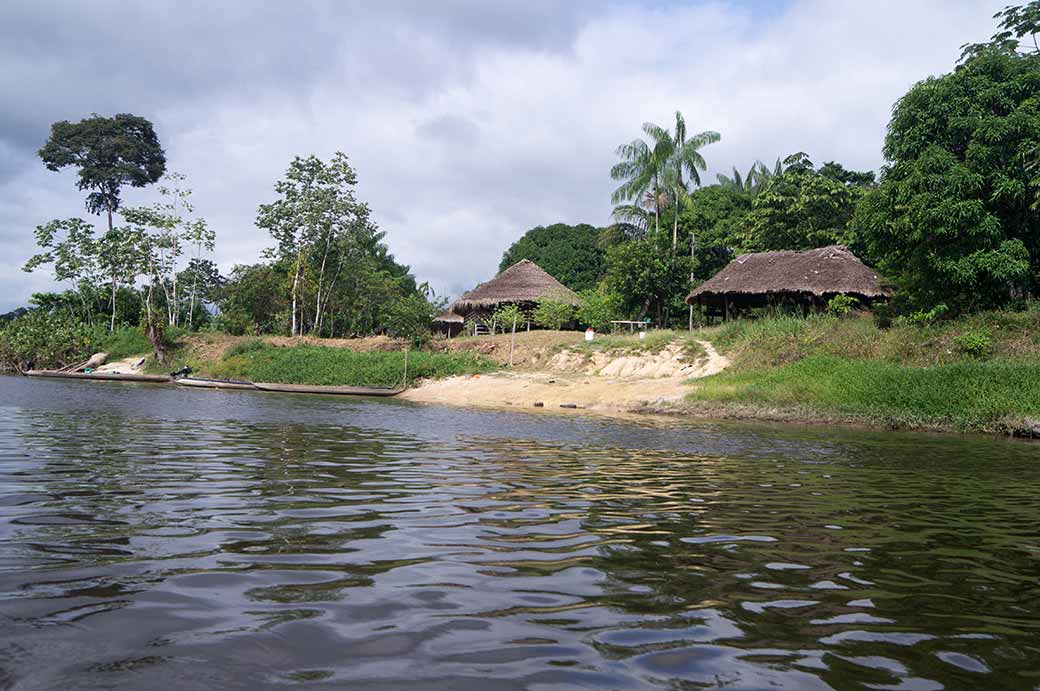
(214, 383)
(330, 390)
(100, 376)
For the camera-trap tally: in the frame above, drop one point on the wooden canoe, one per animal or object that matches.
(215, 383)
(330, 390)
(100, 376)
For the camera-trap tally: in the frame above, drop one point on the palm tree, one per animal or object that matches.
(756, 179)
(679, 155)
(632, 219)
(639, 169)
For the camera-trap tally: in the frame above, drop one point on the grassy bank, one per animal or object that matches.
(255, 359)
(980, 373)
(308, 364)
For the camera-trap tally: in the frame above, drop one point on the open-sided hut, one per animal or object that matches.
(448, 323)
(805, 279)
(524, 284)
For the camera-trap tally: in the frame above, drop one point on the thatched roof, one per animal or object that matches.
(819, 272)
(524, 281)
(450, 317)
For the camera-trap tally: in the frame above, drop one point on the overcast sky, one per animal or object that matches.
(468, 122)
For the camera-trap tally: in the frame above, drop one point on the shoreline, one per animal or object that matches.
(519, 391)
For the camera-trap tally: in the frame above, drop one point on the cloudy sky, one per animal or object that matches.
(468, 122)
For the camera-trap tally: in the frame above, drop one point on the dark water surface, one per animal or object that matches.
(156, 538)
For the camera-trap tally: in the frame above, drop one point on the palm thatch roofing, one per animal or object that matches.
(449, 317)
(524, 281)
(817, 272)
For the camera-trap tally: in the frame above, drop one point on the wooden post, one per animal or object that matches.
(512, 342)
(725, 303)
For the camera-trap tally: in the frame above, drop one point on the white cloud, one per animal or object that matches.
(464, 138)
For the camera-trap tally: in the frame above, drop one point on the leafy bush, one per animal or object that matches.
(974, 344)
(923, 317)
(47, 340)
(410, 317)
(504, 317)
(598, 309)
(841, 305)
(235, 322)
(552, 314)
(242, 347)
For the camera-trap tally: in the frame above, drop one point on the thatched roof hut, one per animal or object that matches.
(524, 283)
(808, 278)
(448, 323)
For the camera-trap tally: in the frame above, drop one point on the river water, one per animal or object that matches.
(163, 538)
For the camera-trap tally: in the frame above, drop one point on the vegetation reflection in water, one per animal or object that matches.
(262, 553)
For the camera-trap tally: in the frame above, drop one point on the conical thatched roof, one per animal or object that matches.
(524, 281)
(822, 271)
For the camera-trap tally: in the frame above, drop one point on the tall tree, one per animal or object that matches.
(804, 207)
(954, 217)
(110, 153)
(639, 172)
(679, 158)
(317, 222)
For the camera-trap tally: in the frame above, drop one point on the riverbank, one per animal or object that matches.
(977, 374)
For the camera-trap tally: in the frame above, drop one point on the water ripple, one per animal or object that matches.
(258, 551)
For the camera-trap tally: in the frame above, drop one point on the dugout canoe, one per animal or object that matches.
(215, 383)
(330, 390)
(100, 376)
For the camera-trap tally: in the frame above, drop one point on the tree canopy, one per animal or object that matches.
(109, 153)
(804, 207)
(954, 218)
(573, 255)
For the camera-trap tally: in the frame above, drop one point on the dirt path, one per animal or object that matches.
(620, 384)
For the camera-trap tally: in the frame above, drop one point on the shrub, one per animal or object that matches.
(553, 314)
(410, 317)
(504, 317)
(47, 340)
(235, 322)
(841, 305)
(974, 344)
(923, 317)
(598, 309)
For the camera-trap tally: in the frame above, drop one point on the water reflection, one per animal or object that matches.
(402, 547)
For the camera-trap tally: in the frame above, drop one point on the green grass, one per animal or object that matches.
(984, 396)
(124, 342)
(781, 340)
(308, 364)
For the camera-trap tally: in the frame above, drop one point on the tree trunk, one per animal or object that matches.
(675, 223)
(321, 283)
(295, 284)
(112, 322)
(191, 303)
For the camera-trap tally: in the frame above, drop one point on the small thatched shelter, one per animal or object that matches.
(524, 284)
(805, 279)
(448, 323)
